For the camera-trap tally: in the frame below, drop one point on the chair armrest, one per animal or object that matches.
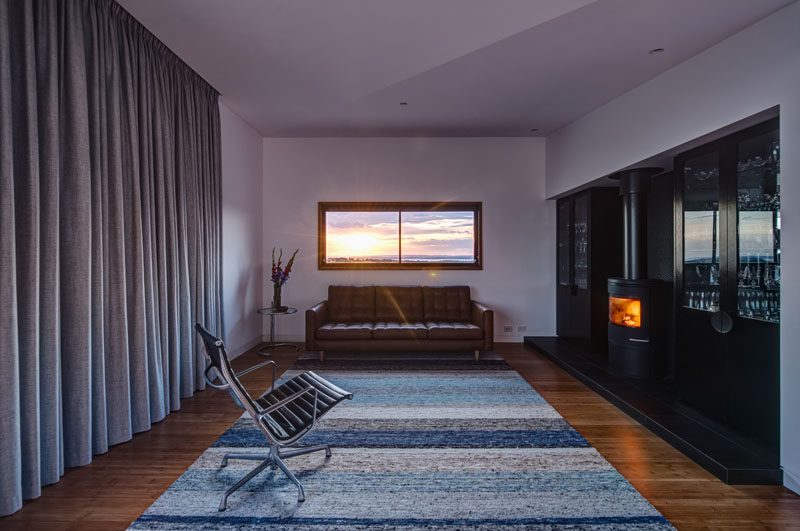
(258, 366)
(316, 316)
(484, 317)
(210, 379)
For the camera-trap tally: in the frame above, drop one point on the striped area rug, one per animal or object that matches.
(426, 443)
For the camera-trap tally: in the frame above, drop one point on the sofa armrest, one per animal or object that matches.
(484, 317)
(316, 316)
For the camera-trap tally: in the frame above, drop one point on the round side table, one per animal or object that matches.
(264, 351)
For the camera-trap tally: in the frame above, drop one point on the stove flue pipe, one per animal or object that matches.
(634, 185)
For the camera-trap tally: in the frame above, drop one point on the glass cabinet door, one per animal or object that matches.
(701, 234)
(728, 363)
(758, 227)
(564, 229)
(582, 241)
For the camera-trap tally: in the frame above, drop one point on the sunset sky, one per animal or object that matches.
(430, 234)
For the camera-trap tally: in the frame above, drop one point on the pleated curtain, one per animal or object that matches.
(110, 226)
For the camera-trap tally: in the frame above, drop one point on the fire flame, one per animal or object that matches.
(625, 312)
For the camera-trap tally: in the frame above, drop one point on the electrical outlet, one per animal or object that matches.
(508, 329)
(521, 329)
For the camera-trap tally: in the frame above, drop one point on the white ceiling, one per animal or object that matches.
(306, 68)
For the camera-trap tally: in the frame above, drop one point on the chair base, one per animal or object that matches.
(274, 459)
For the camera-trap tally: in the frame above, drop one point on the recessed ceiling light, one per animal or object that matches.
(656, 51)
(403, 103)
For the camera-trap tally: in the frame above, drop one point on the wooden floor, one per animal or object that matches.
(117, 487)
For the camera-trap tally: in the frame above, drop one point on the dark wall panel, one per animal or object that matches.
(660, 251)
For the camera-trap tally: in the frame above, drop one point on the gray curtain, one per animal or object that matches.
(109, 234)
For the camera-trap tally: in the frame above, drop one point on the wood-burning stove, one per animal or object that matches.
(634, 342)
(633, 327)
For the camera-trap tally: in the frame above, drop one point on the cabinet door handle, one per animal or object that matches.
(721, 322)
(573, 289)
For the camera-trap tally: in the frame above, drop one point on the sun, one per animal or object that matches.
(358, 243)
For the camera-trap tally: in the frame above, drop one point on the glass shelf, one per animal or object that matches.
(701, 299)
(564, 229)
(582, 242)
(701, 249)
(759, 304)
(758, 228)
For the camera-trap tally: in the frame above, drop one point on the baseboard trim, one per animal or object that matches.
(791, 480)
(249, 345)
(288, 338)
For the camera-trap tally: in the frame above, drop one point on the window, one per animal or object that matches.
(400, 236)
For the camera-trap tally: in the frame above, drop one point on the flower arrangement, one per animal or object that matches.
(279, 277)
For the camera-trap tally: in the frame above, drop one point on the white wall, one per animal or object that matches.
(242, 244)
(751, 71)
(507, 174)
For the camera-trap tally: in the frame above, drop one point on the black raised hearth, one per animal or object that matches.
(656, 405)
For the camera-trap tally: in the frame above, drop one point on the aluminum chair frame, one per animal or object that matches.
(218, 362)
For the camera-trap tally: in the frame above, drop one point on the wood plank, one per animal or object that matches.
(684, 492)
(118, 486)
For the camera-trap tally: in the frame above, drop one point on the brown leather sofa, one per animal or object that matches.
(393, 318)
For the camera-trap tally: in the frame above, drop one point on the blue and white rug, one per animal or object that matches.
(426, 443)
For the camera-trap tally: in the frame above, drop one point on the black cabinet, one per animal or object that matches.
(727, 281)
(589, 239)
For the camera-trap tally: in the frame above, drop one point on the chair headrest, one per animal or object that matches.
(214, 346)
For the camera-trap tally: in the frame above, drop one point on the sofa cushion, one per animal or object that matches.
(400, 330)
(338, 330)
(350, 304)
(449, 303)
(453, 330)
(400, 304)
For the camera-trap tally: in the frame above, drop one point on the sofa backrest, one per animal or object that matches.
(447, 303)
(351, 303)
(400, 304)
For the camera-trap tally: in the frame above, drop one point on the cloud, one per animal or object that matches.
(439, 246)
(361, 220)
(423, 233)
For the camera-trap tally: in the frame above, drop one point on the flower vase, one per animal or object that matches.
(276, 297)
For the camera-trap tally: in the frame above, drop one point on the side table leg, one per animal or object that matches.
(265, 350)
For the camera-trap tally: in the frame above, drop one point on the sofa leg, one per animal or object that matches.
(321, 355)
(477, 355)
